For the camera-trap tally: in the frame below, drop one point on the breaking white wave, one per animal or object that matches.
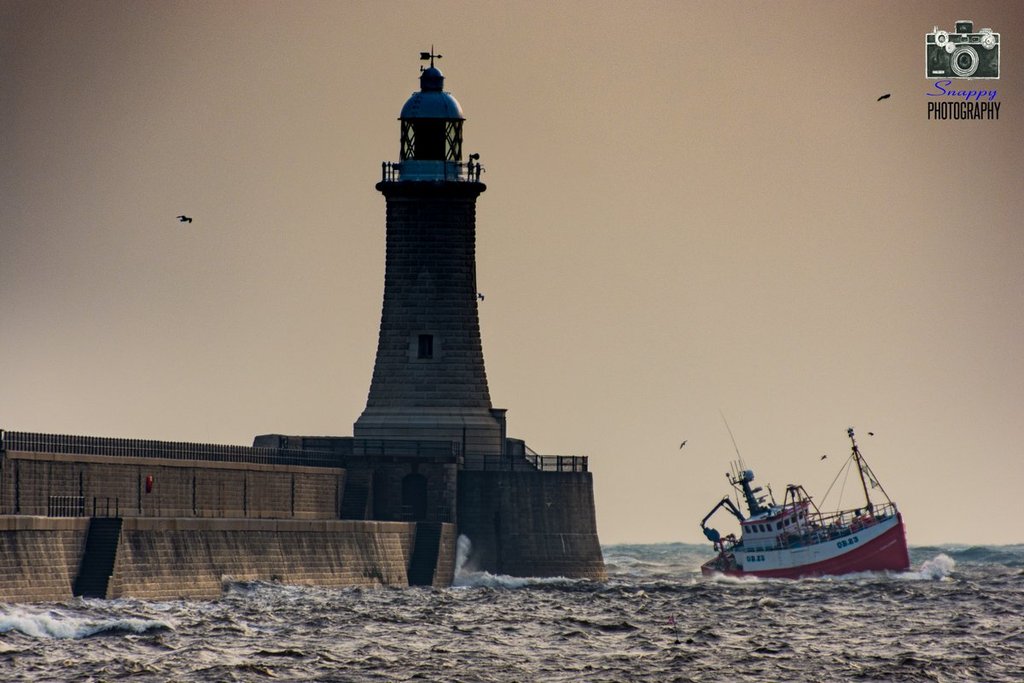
(935, 569)
(462, 548)
(53, 624)
(466, 575)
(741, 580)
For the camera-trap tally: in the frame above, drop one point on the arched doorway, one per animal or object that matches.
(414, 497)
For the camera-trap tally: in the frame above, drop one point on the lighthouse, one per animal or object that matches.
(430, 463)
(429, 382)
(429, 447)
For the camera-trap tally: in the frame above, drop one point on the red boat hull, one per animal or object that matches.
(887, 552)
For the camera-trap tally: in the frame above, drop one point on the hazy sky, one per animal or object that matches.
(692, 207)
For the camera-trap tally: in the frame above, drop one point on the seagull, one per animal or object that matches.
(885, 96)
(480, 296)
(184, 219)
(683, 443)
(823, 457)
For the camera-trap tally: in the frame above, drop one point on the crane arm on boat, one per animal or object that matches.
(712, 534)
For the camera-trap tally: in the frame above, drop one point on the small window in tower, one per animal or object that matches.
(426, 346)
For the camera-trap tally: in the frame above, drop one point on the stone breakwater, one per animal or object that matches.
(191, 558)
(117, 518)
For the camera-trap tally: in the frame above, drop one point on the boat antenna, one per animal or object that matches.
(735, 447)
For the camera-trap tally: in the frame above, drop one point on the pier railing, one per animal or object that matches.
(174, 450)
(74, 506)
(329, 453)
(66, 506)
(529, 462)
(103, 506)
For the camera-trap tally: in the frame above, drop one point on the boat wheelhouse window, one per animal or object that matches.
(778, 527)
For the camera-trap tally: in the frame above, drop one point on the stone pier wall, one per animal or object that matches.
(191, 558)
(531, 523)
(39, 557)
(161, 559)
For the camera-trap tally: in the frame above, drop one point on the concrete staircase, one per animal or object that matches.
(98, 559)
(356, 496)
(424, 554)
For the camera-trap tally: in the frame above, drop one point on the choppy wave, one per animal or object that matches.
(488, 580)
(954, 617)
(1005, 555)
(62, 625)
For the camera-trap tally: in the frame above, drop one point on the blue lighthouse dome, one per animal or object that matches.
(431, 102)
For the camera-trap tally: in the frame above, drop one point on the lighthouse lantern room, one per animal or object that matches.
(431, 137)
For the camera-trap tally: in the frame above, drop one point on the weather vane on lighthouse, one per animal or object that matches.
(431, 56)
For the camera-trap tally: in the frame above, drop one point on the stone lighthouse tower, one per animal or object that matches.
(429, 449)
(429, 382)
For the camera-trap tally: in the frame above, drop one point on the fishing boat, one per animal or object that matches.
(796, 539)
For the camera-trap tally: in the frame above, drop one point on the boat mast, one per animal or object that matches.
(860, 468)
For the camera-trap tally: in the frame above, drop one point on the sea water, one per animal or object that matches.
(958, 615)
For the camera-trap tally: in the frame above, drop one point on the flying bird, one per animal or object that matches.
(480, 296)
(184, 219)
(885, 96)
(871, 433)
(683, 443)
(823, 457)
